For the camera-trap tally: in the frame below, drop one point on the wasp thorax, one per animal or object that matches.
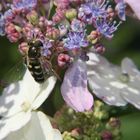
(34, 52)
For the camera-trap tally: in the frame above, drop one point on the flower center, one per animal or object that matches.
(25, 106)
(124, 78)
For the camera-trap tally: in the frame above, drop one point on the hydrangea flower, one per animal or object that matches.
(19, 100)
(106, 28)
(74, 87)
(75, 40)
(120, 7)
(114, 85)
(38, 128)
(91, 10)
(77, 25)
(24, 4)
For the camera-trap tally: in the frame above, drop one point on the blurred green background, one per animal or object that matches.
(126, 43)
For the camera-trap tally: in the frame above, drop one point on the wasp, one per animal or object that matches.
(39, 66)
(33, 61)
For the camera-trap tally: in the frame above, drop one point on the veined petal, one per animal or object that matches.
(29, 87)
(132, 96)
(129, 67)
(96, 59)
(39, 128)
(14, 123)
(10, 100)
(103, 81)
(45, 90)
(134, 4)
(132, 93)
(74, 87)
(48, 131)
(17, 93)
(108, 91)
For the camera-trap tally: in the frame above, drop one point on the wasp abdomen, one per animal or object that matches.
(36, 70)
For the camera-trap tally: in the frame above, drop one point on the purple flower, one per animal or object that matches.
(105, 27)
(9, 15)
(75, 40)
(91, 10)
(77, 25)
(74, 87)
(2, 25)
(46, 45)
(120, 7)
(24, 4)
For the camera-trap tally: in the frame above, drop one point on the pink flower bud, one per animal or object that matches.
(23, 48)
(13, 32)
(63, 59)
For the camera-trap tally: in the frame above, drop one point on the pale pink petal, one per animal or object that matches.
(74, 87)
(135, 5)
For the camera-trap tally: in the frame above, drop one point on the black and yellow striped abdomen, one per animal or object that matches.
(33, 61)
(36, 70)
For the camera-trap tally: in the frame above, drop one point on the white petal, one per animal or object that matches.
(13, 124)
(16, 94)
(96, 59)
(129, 67)
(57, 135)
(39, 128)
(45, 90)
(132, 96)
(49, 132)
(104, 83)
(132, 93)
(29, 87)
(10, 100)
(107, 92)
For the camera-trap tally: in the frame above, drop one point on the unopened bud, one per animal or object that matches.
(99, 48)
(71, 14)
(106, 135)
(93, 37)
(52, 33)
(101, 115)
(63, 59)
(114, 123)
(110, 12)
(32, 17)
(23, 48)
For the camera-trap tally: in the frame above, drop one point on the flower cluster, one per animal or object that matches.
(64, 36)
(88, 125)
(57, 36)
